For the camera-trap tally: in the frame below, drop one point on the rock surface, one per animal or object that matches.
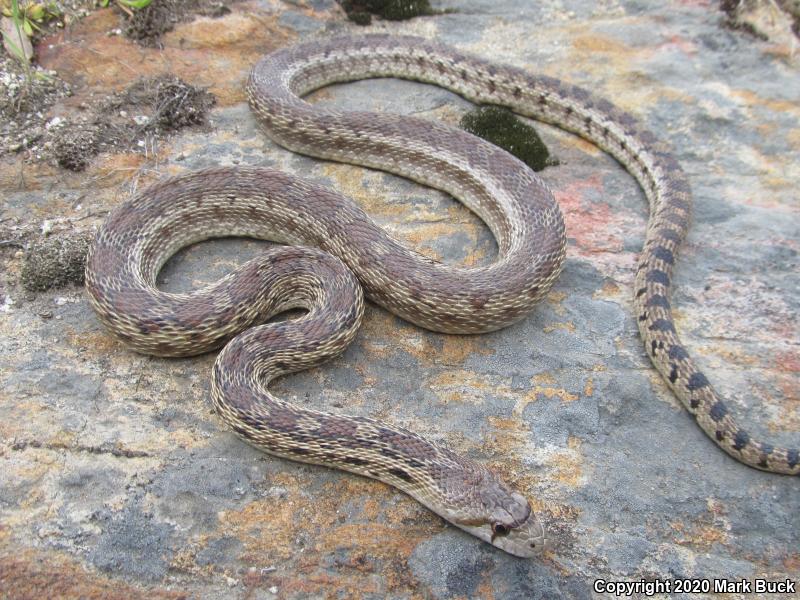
(117, 479)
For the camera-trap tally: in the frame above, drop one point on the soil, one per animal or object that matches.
(28, 94)
(25, 97)
(130, 120)
(147, 25)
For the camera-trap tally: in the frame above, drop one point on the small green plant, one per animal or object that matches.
(127, 5)
(29, 16)
(21, 46)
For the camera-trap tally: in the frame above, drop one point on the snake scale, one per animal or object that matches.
(334, 250)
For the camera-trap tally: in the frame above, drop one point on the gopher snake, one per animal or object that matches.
(140, 235)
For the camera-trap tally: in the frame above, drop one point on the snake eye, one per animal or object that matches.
(499, 529)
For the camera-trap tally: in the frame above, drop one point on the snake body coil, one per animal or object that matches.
(140, 235)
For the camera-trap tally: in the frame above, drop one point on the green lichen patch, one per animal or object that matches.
(501, 127)
(55, 262)
(361, 11)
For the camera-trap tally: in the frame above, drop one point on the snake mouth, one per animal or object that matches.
(526, 541)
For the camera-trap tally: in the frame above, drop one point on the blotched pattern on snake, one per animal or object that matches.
(335, 249)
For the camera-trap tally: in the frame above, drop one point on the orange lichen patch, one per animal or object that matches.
(99, 341)
(507, 443)
(566, 512)
(729, 355)
(377, 544)
(613, 59)
(549, 392)
(457, 348)
(486, 589)
(544, 384)
(596, 44)
(382, 335)
(422, 234)
(185, 561)
(235, 29)
(567, 326)
(426, 225)
(102, 62)
(608, 290)
(27, 573)
(567, 465)
(459, 385)
(555, 299)
(698, 535)
(792, 563)
(359, 184)
(752, 99)
(545, 378)
(458, 378)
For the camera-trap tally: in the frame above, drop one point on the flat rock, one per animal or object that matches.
(117, 478)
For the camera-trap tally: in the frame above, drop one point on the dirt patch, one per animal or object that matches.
(28, 94)
(130, 120)
(148, 24)
(25, 97)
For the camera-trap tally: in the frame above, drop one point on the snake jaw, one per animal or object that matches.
(526, 540)
(506, 519)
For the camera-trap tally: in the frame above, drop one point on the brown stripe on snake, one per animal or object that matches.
(141, 234)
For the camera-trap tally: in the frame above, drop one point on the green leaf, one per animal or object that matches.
(35, 12)
(135, 3)
(26, 27)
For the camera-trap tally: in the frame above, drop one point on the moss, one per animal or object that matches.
(55, 262)
(361, 11)
(501, 127)
(75, 146)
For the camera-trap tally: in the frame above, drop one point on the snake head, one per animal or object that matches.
(506, 520)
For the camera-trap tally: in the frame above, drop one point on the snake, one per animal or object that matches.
(331, 255)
